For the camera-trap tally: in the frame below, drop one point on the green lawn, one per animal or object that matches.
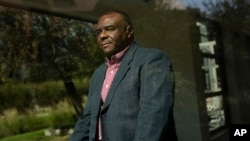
(35, 136)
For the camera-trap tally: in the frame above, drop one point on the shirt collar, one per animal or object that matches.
(116, 59)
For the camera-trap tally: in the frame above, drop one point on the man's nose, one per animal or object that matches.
(103, 35)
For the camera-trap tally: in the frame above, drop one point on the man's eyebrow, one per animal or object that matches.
(104, 27)
(108, 26)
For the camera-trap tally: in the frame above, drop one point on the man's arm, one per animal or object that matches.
(82, 127)
(81, 130)
(156, 98)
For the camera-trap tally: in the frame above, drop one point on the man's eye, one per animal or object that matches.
(110, 28)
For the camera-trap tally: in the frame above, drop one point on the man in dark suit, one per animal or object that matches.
(131, 95)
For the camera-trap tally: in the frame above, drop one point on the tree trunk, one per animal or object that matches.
(75, 99)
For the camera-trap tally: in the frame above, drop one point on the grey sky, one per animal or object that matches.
(194, 3)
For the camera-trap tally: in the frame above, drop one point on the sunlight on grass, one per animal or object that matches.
(50, 108)
(35, 136)
(32, 136)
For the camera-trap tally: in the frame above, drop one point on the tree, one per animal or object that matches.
(232, 15)
(37, 47)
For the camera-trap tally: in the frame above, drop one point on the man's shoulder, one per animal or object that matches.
(99, 70)
(147, 52)
(101, 67)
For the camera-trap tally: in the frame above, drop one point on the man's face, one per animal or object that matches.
(113, 33)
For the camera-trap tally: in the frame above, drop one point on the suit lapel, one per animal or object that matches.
(100, 78)
(98, 86)
(123, 68)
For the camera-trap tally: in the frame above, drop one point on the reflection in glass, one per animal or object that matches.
(215, 112)
(212, 82)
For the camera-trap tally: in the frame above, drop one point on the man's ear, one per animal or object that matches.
(130, 31)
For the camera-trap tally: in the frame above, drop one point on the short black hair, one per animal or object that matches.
(123, 14)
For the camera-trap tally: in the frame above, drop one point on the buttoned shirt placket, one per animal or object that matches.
(113, 65)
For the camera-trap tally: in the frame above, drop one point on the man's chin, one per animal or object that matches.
(107, 51)
(108, 54)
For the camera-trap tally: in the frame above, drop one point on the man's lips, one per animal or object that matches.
(105, 44)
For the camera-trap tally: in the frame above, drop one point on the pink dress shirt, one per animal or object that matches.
(113, 65)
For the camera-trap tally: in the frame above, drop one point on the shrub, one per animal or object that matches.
(63, 115)
(13, 123)
(27, 106)
(24, 96)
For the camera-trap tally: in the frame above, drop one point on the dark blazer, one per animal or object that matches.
(139, 105)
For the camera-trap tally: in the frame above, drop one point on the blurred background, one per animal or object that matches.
(48, 52)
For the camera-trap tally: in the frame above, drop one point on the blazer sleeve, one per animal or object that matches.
(81, 129)
(82, 126)
(156, 97)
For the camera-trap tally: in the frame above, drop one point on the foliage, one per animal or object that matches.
(232, 15)
(35, 47)
(23, 96)
(36, 135)
(13, 123)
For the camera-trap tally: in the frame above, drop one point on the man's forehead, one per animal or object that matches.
(111, 14)
(109, 19)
